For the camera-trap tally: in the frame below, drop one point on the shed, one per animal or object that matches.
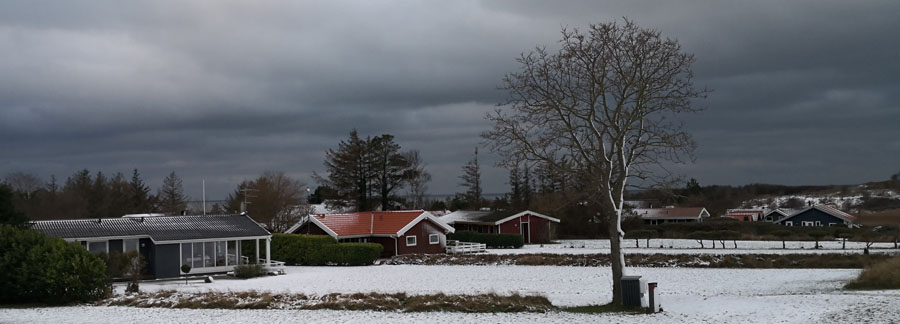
(534, 227)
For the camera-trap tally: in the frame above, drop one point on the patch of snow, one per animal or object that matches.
(683, 246)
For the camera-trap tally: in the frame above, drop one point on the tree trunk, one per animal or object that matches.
(735, 243)
(637, 243)
(617, 258)
(844, 244)
(648, 243)
(701, 244)
(783, 246)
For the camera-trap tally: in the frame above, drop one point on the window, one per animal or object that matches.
(232, 253)
(410, 241)
(788, 223)
(186, 254)
(97, 247)
(209, 255)
(131, 245)
(220, 254)
(808, 223)
(197, 256)
(434, 239)
(818, 223)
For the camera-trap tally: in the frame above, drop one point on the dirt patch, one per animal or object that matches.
(757, 261)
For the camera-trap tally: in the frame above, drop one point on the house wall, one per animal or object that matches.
(310, 229)
(421, 231)
(166, 262)
(387, 242)
(541, 230)
(813, 215)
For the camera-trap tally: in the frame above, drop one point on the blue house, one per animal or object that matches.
(208, 243)
(819, 215)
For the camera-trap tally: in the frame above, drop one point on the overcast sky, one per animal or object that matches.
(805, 92)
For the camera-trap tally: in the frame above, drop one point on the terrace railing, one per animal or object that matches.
(457, 247)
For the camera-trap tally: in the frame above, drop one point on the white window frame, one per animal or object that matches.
(818, 223)
(788, 223)
(434, 239)
(808, 223)
(413, 237)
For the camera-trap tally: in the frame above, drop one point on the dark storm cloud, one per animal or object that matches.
(804, 92)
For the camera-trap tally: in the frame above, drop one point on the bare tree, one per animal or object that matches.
(277, 201)
(417, 179)
(601, 110)
(24, 184)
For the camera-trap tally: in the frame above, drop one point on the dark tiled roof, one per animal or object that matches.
(476, 216)
(159, 228)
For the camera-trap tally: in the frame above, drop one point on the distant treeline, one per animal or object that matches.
(87, 195)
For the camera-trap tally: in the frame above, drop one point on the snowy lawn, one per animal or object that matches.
(679, 246)
(688, 295)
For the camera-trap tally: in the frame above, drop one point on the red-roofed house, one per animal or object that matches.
(400, 232)
(745, 215)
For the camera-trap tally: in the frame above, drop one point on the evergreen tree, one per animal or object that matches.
(349, 172)
(172, 200)
(515, 189)
(141, 201)
(389, 168)
(471, 181)
(8, 213)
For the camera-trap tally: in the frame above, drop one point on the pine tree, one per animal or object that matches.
(349, 172)
(172, 200)
(471, 180)
(515, 188)
(8, 213)
(141, 201)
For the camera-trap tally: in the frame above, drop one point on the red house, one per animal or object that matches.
(400, 232)
(534, 227)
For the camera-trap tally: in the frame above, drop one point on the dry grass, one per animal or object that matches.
(886, 217)
(882, 275)
(358, 301)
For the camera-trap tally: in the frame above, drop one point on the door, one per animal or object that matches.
(526, 233)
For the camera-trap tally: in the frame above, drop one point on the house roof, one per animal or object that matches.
(782, 211)
(371, 223)
(669, 213)
(825, 209)
(490, 217)
(157, 228)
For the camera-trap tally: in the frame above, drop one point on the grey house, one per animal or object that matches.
(819, 215)
(209, 243)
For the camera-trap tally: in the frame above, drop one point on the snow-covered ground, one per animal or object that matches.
(673, 246)
(688, 295)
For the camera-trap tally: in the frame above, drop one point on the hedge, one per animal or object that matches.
(315, 250)
(38, 269)
(501, 241)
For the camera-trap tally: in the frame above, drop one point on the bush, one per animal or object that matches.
(249, 271)
(352, 254)
(38, 269)
(882, 275)
(314, 250)
(500, 241)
